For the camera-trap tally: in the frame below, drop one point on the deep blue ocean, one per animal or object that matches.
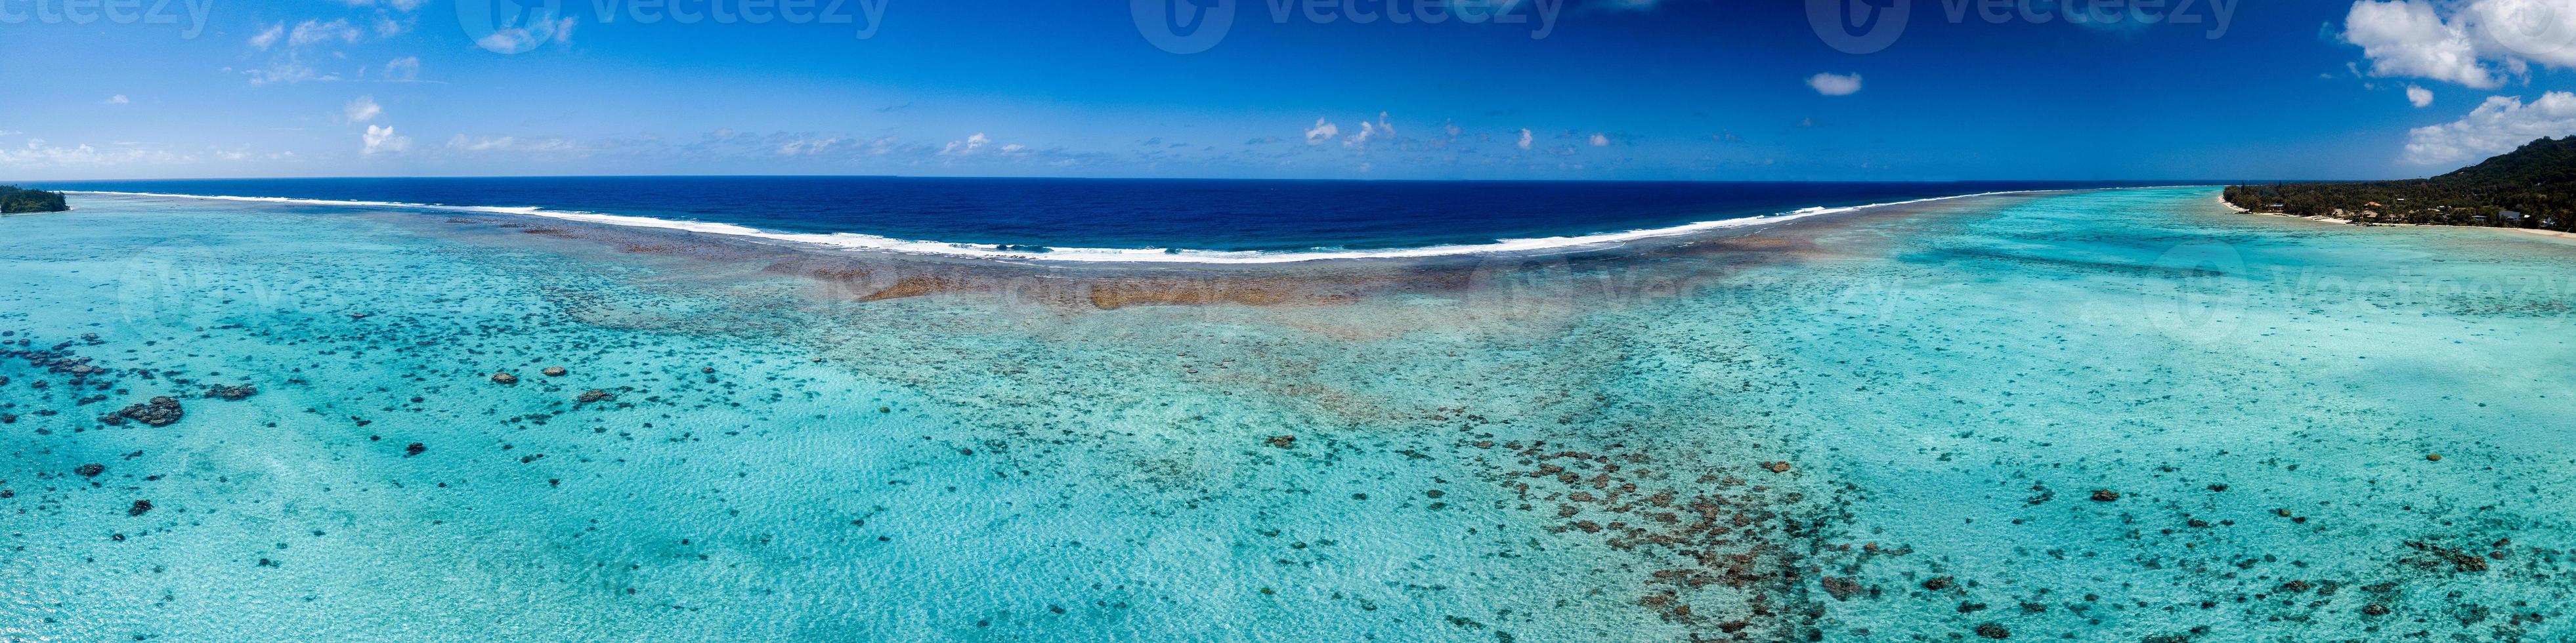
(1222, 215)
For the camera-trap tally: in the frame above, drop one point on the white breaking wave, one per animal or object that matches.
(857, 241)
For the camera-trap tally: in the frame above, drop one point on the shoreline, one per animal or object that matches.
(860, 242)
(2545, 233)
(2222, 200)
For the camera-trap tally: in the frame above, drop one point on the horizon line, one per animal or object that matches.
(2165, 181)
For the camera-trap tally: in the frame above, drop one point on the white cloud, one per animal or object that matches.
(806, 147)
(315, 31)
(1322, 131)
(2477, 43)
(406, 68)
(1600, 140)
(290, 67)
(381, 139)
(2542, 31)
(1835, 84)
(286, 71)
(1526, 139)
(268, 37)
(460, 142)
(2421, 97)
(463, 143)
(118, 99)
(398, 5)
(550, 145)
(36, 154)
(966, 147)
(362, 110)
(979, 145)
(522, 38)
(2502, 124)
(2407, 38)
(1368, 131)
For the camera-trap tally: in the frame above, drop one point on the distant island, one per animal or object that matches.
(2532, 188)
(17, 201)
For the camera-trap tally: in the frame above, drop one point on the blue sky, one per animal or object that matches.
(1605, 89)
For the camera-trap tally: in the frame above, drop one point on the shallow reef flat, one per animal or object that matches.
(2124, 415)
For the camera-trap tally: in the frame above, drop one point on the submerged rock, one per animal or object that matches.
(504, 378)
(232, 393)
(2105, 495)
(90, 470)
(161, 411)
(1993, 631)
(2457, 560)
(414, 449)
(140, 507)
(1284, 441)
(1843, 588)
(594, 396)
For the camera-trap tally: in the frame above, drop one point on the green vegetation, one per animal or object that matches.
(2533, 187)
(17, 201)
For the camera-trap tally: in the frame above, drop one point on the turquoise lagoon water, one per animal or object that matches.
(1889, 425)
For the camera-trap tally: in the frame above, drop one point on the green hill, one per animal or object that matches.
(17, 201)
(2532, 187)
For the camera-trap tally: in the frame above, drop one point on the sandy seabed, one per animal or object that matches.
(2106, 415)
